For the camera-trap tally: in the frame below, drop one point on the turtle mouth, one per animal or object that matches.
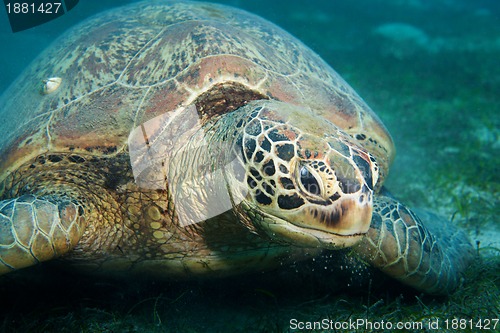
(280, 229)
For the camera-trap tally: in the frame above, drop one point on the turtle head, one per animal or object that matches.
(308, 182)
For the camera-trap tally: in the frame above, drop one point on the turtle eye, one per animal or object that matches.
(309, 182)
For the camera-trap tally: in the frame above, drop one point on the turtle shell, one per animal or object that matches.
(113, 72)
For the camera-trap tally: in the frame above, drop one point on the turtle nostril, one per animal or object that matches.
(309, 181)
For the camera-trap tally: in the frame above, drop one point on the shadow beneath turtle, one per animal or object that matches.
(48, 298)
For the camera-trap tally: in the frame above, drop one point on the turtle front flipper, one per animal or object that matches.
(430, 257)
(35, 229)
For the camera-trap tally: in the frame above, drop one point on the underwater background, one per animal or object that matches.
(430, 70)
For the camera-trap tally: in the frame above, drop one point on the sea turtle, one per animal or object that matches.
(183, 138)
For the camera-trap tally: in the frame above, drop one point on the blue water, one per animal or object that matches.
(429, 69)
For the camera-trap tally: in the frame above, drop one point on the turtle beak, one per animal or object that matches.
(347, 218)
(333, 228)
(340, 224)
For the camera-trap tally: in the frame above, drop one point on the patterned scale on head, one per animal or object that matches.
(306, 174)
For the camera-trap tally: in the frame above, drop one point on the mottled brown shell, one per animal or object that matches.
(126, 66)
